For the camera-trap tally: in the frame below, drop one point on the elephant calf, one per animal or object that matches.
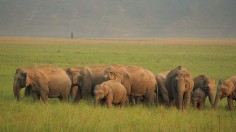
(198, 98)
(226, 88)
(113, 91)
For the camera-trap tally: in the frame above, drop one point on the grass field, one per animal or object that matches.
(212, 57)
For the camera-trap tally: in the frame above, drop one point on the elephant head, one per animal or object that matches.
(100, 91)
(209, 88)
(20, 81)
(225, 88)
(112, 73)
(182, 83)
(74, 75)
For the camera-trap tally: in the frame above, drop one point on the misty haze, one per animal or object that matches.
(118, 18)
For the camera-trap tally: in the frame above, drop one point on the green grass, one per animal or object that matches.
(217, 61)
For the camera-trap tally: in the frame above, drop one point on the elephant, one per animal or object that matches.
(179, 85)
(89, 77)
(162, 91)
(198, 98)
(43, 81)
(137, 81)
(113, 91)
(73, 74)
(226, 88)
(207, 85)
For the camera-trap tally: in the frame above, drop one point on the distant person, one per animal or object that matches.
(71, 35)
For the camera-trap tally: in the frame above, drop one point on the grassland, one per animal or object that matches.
(212, 57)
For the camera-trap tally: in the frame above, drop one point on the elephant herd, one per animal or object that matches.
(123, 85)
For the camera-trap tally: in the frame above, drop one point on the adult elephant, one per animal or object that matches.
(44, 82)
(89, 77)
(73, 74)
(179, 84)
(207, 85)
(137, 81)
(162, 91)
(226, 88)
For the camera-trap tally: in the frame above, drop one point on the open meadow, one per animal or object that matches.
(213, 57)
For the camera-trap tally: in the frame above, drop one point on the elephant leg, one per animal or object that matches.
(43, 95)
(123, 102)
(150, 97)
(172, 102)
(160, 99)
(230, 103)
(36, 96)
(65, 98)
(137, 99)
(132, 100)
(195, 105)
(201, 105)
(109, 103)
(27, 91)
(188, 100)
(127, 100)
(198, 105)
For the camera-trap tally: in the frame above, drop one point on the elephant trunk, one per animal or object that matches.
(180, 100)
(211, 97)
(180, 89)
(16, 90)
(78, 96)
(218, 95)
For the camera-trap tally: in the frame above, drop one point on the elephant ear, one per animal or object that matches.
(23, 74)
(85, 73)
(188, 78)
(106, 89)
(24, 80)
(174, 80)
(18, 70)
(231, 87)
(69, 72)
(125, 77)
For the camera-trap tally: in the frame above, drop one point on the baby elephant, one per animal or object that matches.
(198, 98)
(114, 93)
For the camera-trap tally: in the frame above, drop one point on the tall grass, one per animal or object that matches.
(217, 61)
